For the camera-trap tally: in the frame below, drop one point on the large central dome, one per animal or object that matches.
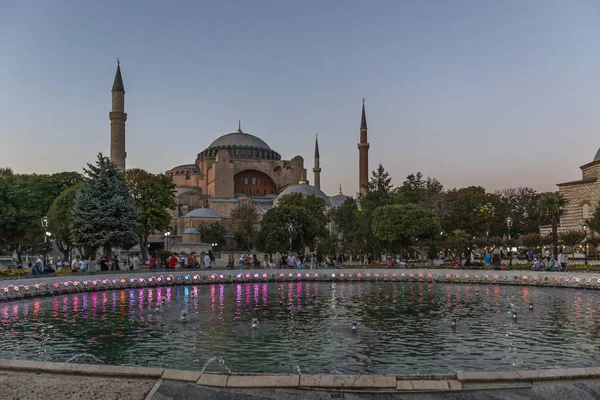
(241, 145)
(239, 140)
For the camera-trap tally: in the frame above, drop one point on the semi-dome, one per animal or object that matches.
(305, 190)
(240, 145)
(202, 213)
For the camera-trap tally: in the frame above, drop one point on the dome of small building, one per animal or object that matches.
(305, 190)
(192, 231)
(338, 200)
(202, 213)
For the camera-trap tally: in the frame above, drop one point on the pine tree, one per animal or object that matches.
(104, 213)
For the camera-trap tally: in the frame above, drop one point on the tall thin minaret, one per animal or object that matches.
(363, 153)
(117, 121)
(317, 166)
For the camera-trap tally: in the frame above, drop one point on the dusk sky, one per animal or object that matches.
(491, 93)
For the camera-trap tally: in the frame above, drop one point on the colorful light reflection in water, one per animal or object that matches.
(403, 327)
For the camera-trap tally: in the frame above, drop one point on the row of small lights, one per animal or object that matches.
(171, 279)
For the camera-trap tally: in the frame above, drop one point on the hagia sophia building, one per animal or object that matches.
(236, 169)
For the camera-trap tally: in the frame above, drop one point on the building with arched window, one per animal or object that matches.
(582, 198)
(236, 167)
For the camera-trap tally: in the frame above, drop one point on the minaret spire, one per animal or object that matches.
(317, 164)
(363, 119)
(340, 188)
(239, 126)
(117, 118)
(363, 153)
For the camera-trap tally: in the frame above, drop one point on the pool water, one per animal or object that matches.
(307, 327)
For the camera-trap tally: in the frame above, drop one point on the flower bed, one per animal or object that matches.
(14, 272)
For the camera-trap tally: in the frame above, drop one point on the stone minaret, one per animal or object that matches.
(363, 153)
(117, 122)
(317, 166)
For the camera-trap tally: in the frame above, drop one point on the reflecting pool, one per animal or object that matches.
(307, 327)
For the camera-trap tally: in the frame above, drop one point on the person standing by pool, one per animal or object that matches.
(562, 261)
(173, 260)
(83, 265)
(135, 262)
(153, 262)
(207, 261)
(75, 264)
(241, 261)
(488, 259)
(291, 261)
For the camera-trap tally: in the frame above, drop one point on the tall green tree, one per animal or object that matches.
(573, 239)
(345, 219)
(274, 232)
(104, 213)
(315, 207)
(402, 224)
(550, 207)
(60, 217)
(378, 192)
(460, 239)
(24, 200)
(520, 204)
(245, 221)
(153, 195)
(212, 233)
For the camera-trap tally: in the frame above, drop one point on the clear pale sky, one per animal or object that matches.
(491, 93)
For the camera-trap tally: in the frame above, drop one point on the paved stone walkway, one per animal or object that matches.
(19, 385)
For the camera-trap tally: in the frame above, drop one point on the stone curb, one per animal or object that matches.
(403, 383)
(528, 375)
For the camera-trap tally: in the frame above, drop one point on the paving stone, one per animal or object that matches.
(569, 373)
(54, 367)
(531, 374)
(430, 385)
(21, 364)
(264, 381)
(353, 381)
(114, 370)
(181, 375)
(208, 379)
(454, 384)
(594, 372)
(404, 385)
(488, 376)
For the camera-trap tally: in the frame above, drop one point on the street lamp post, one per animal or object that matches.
(167, 234)
(509, 223)
(44, 222)
(585, 231)
(291, 229)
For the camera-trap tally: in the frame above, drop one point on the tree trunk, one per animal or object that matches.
(144, 247)
(107, 250)
(555, 235)
(66, 254)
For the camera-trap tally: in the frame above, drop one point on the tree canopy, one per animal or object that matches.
(104, 212)
(153, 195)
